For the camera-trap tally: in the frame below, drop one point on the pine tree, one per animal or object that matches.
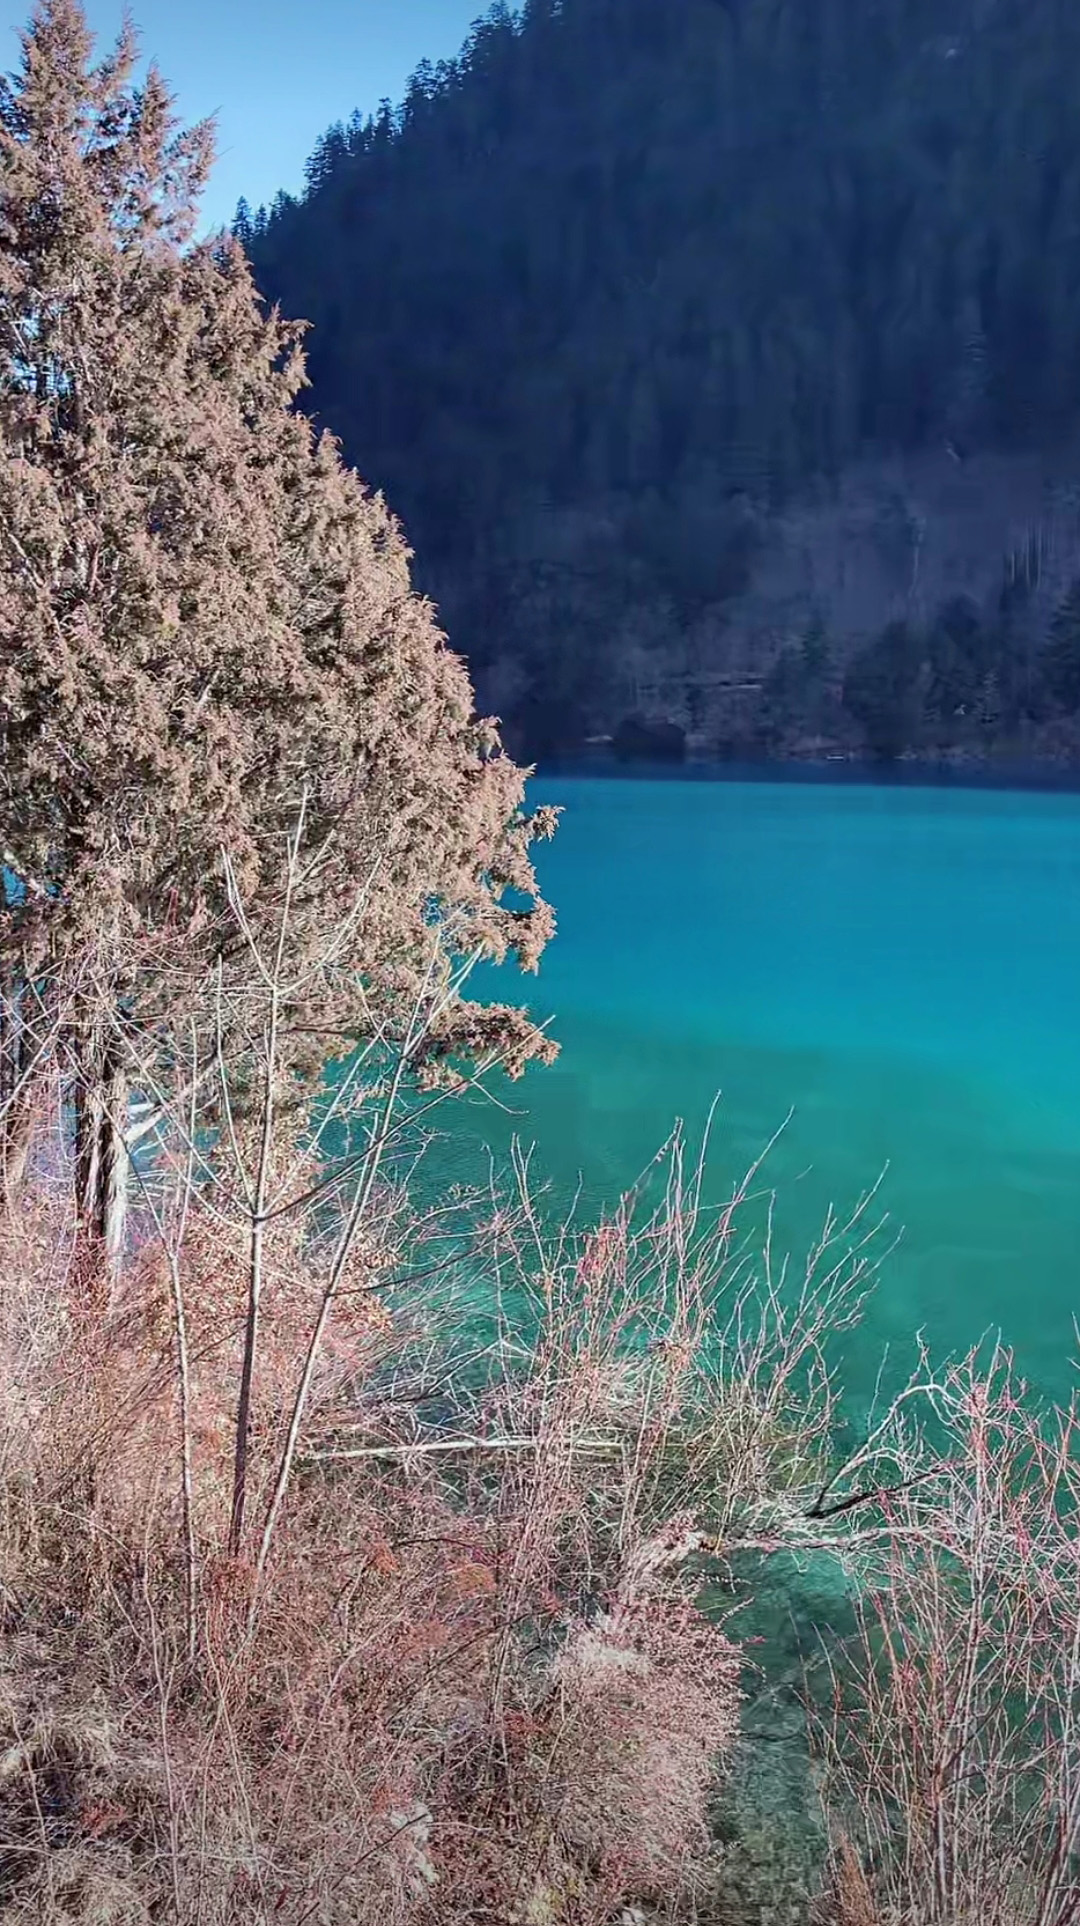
(207, 632)
(243, 225)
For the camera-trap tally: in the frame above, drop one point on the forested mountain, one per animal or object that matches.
(722, 358)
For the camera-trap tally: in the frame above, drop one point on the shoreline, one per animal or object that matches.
(906, 773)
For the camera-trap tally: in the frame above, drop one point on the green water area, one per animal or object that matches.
(897, 967)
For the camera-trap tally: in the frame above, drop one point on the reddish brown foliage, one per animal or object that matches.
(417, 1713)
(209, 644)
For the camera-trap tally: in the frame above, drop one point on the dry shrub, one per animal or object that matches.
(353, 1549)
(955, 1743)
(472, 1679)
(648, 1696)
(446, 1660)
(850, 1900)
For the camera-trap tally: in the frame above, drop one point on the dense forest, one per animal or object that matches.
(722, 358)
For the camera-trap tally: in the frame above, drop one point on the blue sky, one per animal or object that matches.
(274, 72)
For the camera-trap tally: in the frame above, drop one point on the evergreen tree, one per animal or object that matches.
(243, 224)
(207, 632)
(882, 691)
(1061, 656)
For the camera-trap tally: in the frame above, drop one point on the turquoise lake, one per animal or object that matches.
(898, 967)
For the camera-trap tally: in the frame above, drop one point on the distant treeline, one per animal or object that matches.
(620, 278)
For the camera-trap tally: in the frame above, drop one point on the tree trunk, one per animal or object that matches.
(16, 1134)
(112, 1189)
(29, 1034)
(101, 1155)
(88, 1109)
(16, 1110)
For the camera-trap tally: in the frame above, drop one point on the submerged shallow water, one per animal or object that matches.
(897, 967)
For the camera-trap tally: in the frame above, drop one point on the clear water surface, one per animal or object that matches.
(897, 966)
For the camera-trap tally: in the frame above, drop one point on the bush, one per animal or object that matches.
(333, 1592)
(955, 1742)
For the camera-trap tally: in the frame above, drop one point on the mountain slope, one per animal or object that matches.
(633, 279)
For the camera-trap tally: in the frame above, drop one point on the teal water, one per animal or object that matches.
(898, 967)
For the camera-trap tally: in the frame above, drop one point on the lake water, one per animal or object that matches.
(897, 966)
